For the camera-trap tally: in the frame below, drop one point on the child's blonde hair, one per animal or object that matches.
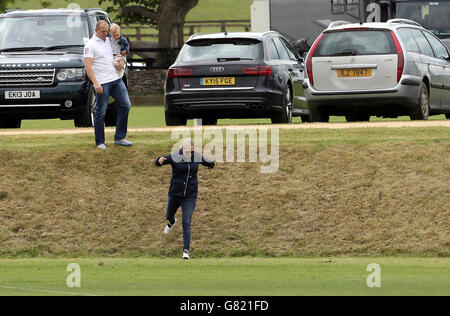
(114, 28)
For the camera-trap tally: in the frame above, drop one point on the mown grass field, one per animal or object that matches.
(153, 116)
(225, 277)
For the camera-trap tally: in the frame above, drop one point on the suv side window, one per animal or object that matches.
(408, 39)
(425, 47)
(273, 50)
(102, 18)
(281, 49)
(93, 22)
(96, 18)
(438, 47)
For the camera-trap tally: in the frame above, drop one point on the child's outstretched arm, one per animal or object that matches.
(208, 163)
(161, 161)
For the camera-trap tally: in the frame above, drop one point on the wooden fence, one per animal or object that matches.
(149, 56)
(142, 33)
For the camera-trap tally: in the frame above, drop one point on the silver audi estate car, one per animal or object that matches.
(381, 69)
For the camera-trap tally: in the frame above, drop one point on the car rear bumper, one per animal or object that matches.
(224, 103)
(398, 100)
(51, 104)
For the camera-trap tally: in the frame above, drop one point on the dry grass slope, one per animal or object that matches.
(375, 197)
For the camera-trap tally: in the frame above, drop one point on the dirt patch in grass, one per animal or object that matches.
(331, 196)
(3, 195)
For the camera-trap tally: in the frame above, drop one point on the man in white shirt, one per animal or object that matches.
(98, 59)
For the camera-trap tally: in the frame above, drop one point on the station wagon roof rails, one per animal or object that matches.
(65, 9)
(276, 32)
(404, 21)
(337, 23)
(270, 32)
(93, 9)
(12, 10)
(194, 36)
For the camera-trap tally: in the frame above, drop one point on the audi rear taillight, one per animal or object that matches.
(401, 57)
(179, 72)
(257, 71)
(309, 66)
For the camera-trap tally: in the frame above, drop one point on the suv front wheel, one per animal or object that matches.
(85, 117)
(10, 123)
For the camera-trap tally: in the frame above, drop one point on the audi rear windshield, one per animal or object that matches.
(221, 49)
(356, 42)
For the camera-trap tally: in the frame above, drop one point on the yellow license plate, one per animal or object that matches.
(354, 73)
(218, 81)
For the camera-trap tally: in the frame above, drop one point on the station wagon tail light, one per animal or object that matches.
(179, 72)
(257, 71)
(401, 57)
(309, 60)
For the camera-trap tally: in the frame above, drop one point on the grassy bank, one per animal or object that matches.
(337, 192)
(241, 277)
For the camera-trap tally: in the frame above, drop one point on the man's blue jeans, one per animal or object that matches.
(119, 92)
(187, 207)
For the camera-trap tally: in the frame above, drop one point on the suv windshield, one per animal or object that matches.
(223, 49)
(432, 15)
(43, 32)
(347, 43)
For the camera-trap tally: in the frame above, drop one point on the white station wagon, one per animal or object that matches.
(382, 69)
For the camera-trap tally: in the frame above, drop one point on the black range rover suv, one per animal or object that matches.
(235, 75)
(42, 66)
